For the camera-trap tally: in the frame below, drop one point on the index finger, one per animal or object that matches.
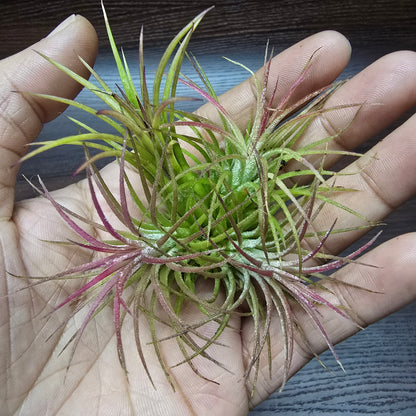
(332, 53)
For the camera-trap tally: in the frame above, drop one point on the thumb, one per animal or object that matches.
(22, 116)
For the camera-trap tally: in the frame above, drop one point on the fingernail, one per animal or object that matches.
(68, 21)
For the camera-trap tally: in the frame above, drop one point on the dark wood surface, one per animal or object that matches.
(367, 23)
(380, 362)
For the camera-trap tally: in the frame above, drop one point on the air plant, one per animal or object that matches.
(216, 204)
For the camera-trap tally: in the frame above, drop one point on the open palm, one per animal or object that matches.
(34, 377)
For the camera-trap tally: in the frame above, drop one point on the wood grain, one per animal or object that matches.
(23, 22)
(380, 362)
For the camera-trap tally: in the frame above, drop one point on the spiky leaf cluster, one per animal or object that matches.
(217, 204)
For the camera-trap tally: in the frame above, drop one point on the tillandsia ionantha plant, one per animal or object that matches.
(215, 204)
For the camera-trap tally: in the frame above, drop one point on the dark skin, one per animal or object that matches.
(31, 372)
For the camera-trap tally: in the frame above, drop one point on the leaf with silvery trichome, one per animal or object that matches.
(218, 204)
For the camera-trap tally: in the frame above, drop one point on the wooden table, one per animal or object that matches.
(380, 362)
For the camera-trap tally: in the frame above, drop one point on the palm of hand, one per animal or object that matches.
(94, 371)
(35, 379)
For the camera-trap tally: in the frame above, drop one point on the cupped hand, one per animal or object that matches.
(34, 378)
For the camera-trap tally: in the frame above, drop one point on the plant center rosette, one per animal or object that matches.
(216, 204)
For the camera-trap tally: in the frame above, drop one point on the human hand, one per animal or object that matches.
(35, 380)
